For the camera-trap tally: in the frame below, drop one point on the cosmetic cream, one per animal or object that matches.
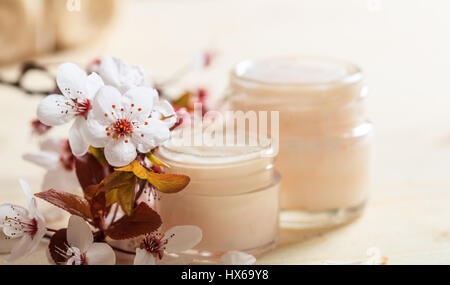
(232, 196)
(324, 134)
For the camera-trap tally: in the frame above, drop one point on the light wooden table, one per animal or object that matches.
(406, 63)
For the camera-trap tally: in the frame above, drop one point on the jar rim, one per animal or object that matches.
(355, 74)
(215, 155)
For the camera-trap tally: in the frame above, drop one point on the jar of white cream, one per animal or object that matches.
(324, 134)
(232, 196)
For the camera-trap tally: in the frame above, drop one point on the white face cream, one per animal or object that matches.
(287, 71)
(325, 138)
(232, 196)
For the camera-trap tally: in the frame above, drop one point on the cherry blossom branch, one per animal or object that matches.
(121, 250)
(51, 230)
(26, 67)
(142, 184)
(116, 210)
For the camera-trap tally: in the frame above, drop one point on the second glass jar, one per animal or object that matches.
(324, 134)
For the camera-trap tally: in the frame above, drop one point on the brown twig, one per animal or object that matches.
(121, 250)
(142, 184)
(26, 67)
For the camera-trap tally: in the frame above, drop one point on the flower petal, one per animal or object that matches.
(143, 257)
(120, 153)
(93, 84)
(237, 258)
(118, 74)
(14, 231)
(53, 214)
(32, 205)
(72, 81)
(142, 99)
(149, 136)
(61, 180)
(165, 108)
(181, 238)
(36, 239)
(170, 259)
(55, 110)
(100, 253)
(79, 234)
(164, 111)
(27, 244)
(107, 100)
(77, 141)
(109, 71)
(96, 133)
(53, 145)
(46, 159)
(170, 121)
(10, 228)
(21, 249)
(6, 243)
(10, 210)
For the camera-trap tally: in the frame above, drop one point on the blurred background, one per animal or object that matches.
(403, 47)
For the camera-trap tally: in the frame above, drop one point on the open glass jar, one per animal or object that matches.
(324, 135)
(232, 196)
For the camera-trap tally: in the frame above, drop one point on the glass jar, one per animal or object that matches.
(324, 134)
(232, 196)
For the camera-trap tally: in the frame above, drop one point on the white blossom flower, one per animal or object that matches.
(203, 59)
(82, 250)
(78, 90)
(237, 258)
(123, 124)
(121, 76)
(18, 222)
(167, 248)
(163, 110)
(55, 156)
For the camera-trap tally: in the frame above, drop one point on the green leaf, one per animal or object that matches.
(167, 183)
(99, 155)
(116, 180)
(118, 187)
(183, 100)
(125, 197)
(111, 197)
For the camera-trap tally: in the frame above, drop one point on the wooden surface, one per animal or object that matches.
(403, 48)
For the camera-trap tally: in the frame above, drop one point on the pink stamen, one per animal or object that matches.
(30, 227)
(154, 244)
(122, 128)
(82, 107)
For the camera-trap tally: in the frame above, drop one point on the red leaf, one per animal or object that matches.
(144, 220)
(89, 171)
(73, 204)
